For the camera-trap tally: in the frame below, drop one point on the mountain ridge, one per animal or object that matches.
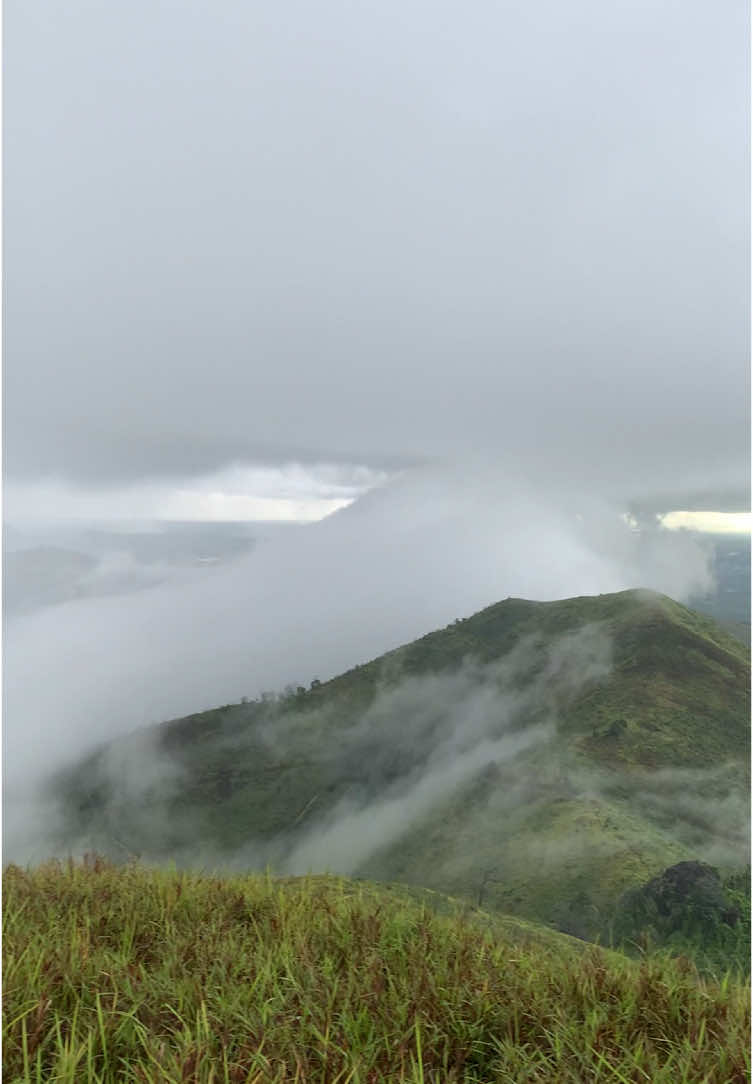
(605, 736)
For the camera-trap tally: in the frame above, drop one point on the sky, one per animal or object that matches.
(377, 236)
(471, 283)
(286, 492)
(712, 522)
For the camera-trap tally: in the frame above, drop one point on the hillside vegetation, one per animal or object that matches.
(541, 759)
(135, 975)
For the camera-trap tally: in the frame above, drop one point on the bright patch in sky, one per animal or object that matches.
(286, 493)
(713, 522)
(220, 507)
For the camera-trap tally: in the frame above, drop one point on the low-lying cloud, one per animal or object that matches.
(451, 727)
(405, 559)
(392, 764)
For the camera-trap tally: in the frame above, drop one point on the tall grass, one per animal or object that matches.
(136, 975)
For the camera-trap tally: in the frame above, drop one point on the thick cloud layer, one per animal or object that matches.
(380, 233)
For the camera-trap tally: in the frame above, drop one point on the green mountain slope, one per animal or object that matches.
(540, 757)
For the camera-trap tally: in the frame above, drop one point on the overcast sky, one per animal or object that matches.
(377, 234)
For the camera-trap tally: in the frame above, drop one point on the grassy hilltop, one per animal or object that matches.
(130, 975)
(539, 759)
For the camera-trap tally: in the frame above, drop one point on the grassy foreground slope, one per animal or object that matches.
(641, 762)
(135, 975)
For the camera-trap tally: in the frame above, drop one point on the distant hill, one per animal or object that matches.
(539, 759)
(43, 575)
(91, 562)
(739, 629)
(729, 601)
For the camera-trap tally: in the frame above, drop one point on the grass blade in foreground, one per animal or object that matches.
(128, 974)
